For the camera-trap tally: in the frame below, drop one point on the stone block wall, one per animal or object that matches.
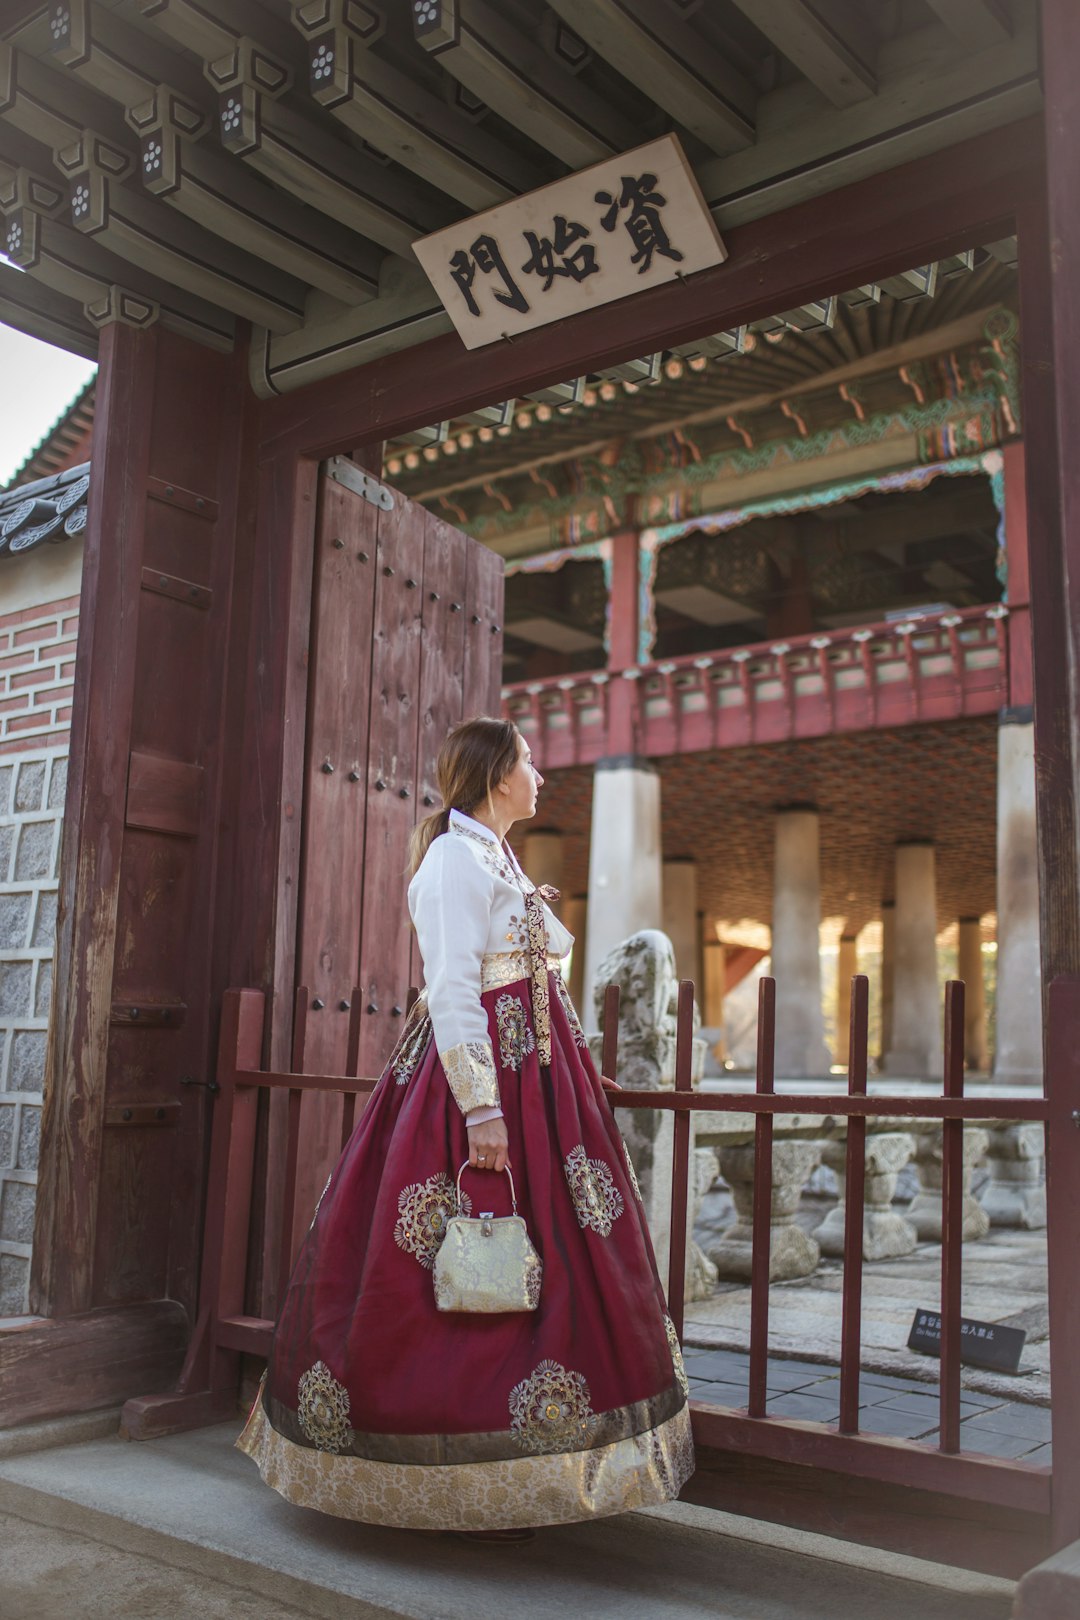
(37, 652)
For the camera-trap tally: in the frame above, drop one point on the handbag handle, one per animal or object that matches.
(513, 1194)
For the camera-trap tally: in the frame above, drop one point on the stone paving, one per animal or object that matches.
(888, 1405)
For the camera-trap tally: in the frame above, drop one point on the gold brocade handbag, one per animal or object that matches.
(487, 1263)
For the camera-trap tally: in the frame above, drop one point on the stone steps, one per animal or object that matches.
(194, 1506)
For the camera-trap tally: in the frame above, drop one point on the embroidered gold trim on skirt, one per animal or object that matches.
(565, 1488)
(621, 1423)
(507, 967)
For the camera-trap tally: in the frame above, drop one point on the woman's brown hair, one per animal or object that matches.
(476, 756)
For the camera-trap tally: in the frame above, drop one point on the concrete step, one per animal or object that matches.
(193, 1504)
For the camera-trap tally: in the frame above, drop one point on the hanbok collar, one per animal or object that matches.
(466, 824)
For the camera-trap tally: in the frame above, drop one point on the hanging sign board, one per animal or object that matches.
(629, 223)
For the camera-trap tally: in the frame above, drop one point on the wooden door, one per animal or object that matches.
(406, 641)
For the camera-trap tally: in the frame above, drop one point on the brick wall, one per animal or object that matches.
(37, 666)
(37, 654)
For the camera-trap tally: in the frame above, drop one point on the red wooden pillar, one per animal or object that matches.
(1049, 235)
(623, 639)
(1019, 575)
(120, 1197)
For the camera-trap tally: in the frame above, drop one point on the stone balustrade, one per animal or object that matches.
(1013, 1195)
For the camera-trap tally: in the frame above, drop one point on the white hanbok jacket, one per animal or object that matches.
(466, 903)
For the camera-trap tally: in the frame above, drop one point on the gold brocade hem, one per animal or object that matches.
(500, 968)
(565, 1488)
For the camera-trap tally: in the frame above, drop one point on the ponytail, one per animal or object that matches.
(424, 835)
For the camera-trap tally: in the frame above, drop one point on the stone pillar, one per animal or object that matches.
(1018, 1049)
(796, 954)
(575, 912)
(792, 1252)
(886, 1234)
(924, 1211)
(970, 969)
(542, 859)
(624, 862)
(847, 965)
(916, 1049)
(680, 917)
(1015, 1195)
(888, 973)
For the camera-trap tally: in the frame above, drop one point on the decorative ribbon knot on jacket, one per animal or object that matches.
(536, 928)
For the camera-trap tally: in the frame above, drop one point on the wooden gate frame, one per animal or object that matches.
(978, 190)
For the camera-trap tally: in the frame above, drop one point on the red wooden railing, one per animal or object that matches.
(209, 1383)
(882, 675)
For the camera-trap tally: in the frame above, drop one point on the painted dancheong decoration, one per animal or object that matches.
(632, 222)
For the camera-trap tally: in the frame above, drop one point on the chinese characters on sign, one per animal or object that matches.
(632, 222)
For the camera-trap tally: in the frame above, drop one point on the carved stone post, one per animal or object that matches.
(924, 1211)
(1015, 1195)
(886, 1233)
(792, 1253)
(643, 967)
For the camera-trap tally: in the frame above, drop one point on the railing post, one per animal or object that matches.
(761, 1252)
(854, 1194)
(952, 1222)
(680, 1170)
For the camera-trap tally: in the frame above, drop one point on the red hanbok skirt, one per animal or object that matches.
(378, 1407)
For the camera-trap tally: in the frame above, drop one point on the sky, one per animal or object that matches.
(37, 384)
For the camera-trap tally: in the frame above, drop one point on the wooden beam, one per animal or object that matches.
(856, 234)
(82, 269)
(829, 43)
(388, 108)
(671, 63)
(51, 1368)
(931, 94)
(224, 198)
(515, 78)
(30, 307)
(133, 226)
(120, 62)
(271, 130)
(977, 24)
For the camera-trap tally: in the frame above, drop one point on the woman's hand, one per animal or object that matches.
(609, 1085)
(489, 1146)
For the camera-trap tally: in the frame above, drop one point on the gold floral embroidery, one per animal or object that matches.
(677, 1356)
(491, 853)
(500, 968)
(517, 933)
(323, 1409)
(598, 1202)
(634, 1472)
(541, 995)
(550, 1411)
(516, 1039)
(631, 1172)
(423, 1211)
(318, 1205)
(570, 1010)
(470, 1074)
(411, 1048)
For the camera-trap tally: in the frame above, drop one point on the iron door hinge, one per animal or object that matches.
(347, 473)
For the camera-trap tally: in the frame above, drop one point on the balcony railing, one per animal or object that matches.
(925, 668)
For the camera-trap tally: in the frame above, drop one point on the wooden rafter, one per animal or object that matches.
(196, 180)
(827, 41)
(975, 23)
(400, 117)
(519, 81)
(675, 66)
(83, 270)
(30, 307)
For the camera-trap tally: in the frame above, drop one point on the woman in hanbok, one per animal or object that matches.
(376, 1405)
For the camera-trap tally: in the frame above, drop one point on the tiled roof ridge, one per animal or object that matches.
(51, 508)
